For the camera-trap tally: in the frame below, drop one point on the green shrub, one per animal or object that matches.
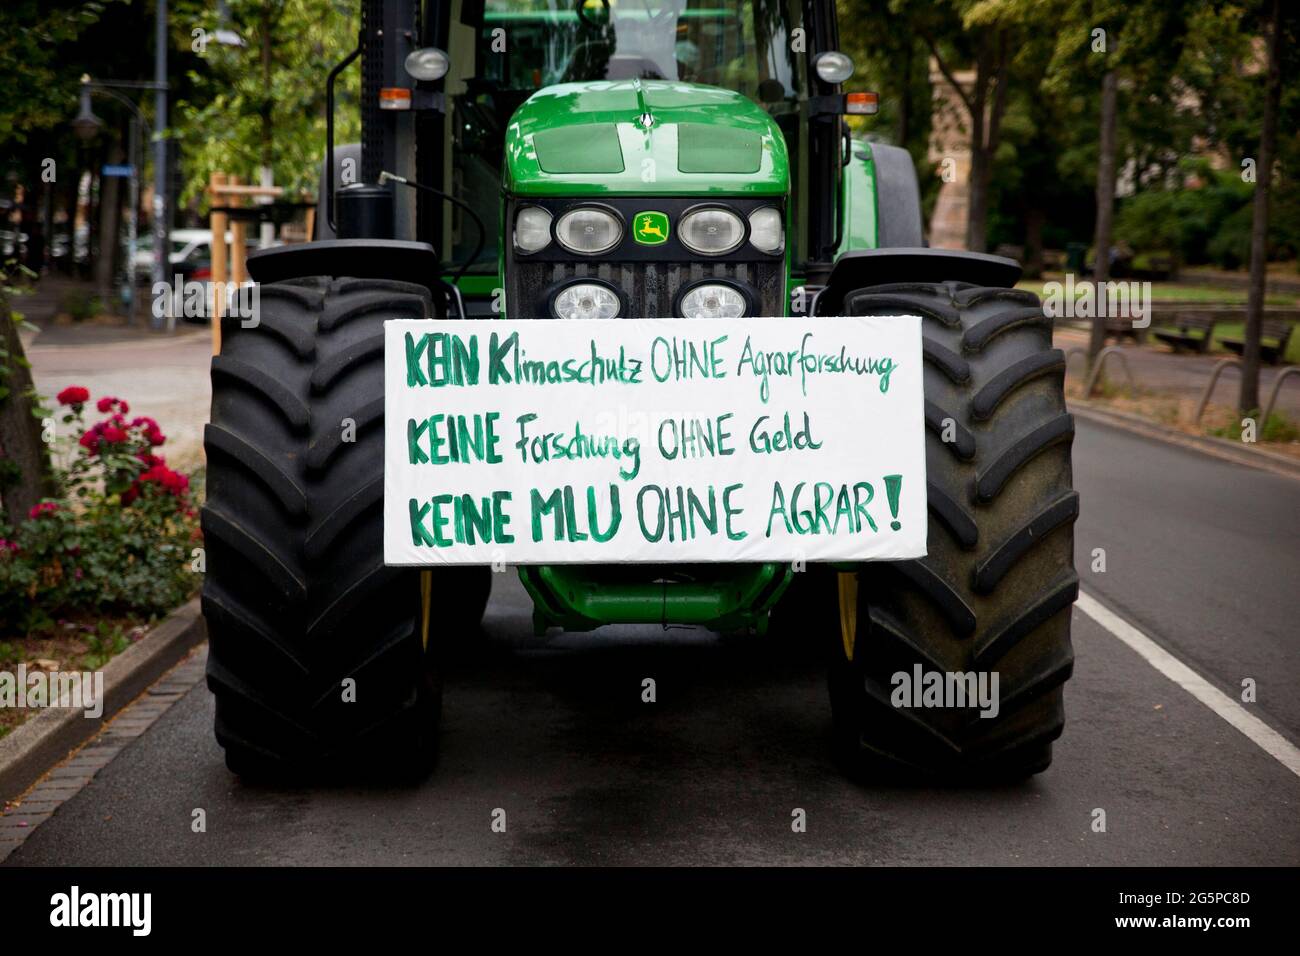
(81, 305)
(1190, 222)
(117, 542)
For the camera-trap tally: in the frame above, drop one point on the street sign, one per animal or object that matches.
(111, 170)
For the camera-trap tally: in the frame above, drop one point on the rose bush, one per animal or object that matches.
(120, 538)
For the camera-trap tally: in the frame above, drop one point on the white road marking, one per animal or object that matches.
(1264, 736)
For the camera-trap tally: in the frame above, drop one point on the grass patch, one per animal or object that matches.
(1277, 429)
(1169, 292)
(86, 643)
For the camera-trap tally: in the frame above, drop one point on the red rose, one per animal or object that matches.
(107, 403)
(114, 434)
(89, 441)
(173, 481)
(155, 437)
(44, 508)
(74, 395)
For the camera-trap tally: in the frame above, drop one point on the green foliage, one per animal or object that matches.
(1193, 223)
(105, 642)
(38, 85)
(81, 305)
(1277, 429)
(104, 559)
(238, 96)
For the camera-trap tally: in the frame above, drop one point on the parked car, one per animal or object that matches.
(190, 253)
(189, 249)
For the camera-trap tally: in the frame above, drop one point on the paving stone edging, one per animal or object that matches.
(1233, 451)
(49, 736)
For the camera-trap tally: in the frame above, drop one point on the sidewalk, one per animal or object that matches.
(162, 375)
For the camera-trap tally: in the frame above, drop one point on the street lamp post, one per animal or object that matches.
(87, 125)
(162, 225)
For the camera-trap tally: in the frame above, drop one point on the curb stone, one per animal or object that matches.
(1236, 452)
(34, 747)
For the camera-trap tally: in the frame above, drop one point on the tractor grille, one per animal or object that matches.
(651, 288)
(648, 277)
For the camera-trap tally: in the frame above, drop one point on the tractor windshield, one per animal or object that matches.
(737, 44)
(503, 51)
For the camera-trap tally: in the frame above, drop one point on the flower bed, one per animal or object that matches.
(84, 573)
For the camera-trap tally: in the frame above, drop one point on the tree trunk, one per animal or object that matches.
(1249, 400)
(25, 475)
(990, 73)
(977, 200)
(110, 203)
(1035, 219)
(1105, 210)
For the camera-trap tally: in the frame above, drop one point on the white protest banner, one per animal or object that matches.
(654, 440)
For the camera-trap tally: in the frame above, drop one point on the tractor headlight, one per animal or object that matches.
(427, 63)
(711, 231)
(713, 301)
(589, 230)
(587, 300)
(532, 229)
(766, 231)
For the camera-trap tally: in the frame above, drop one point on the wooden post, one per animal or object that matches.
(218, 223)
(311, 223)
(238, 239)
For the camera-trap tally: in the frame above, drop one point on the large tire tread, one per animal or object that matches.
(995, 589)
(296, 595)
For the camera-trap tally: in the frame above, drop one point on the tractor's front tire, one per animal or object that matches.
(317, 658)
(993, 594)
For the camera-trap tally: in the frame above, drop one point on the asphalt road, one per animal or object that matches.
(1202, 555)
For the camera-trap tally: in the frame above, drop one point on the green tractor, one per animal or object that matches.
(570, 159)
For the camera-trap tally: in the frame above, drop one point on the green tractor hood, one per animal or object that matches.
(643, 137)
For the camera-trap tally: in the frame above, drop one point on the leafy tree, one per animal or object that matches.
(263, 103)
(1250, 355)
(986, 34)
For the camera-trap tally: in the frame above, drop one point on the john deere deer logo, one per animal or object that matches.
(651, 228)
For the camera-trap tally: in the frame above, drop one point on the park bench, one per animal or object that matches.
(1273, 338)
(1181, 335)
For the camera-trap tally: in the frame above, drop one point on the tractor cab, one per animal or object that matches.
(617, 99)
